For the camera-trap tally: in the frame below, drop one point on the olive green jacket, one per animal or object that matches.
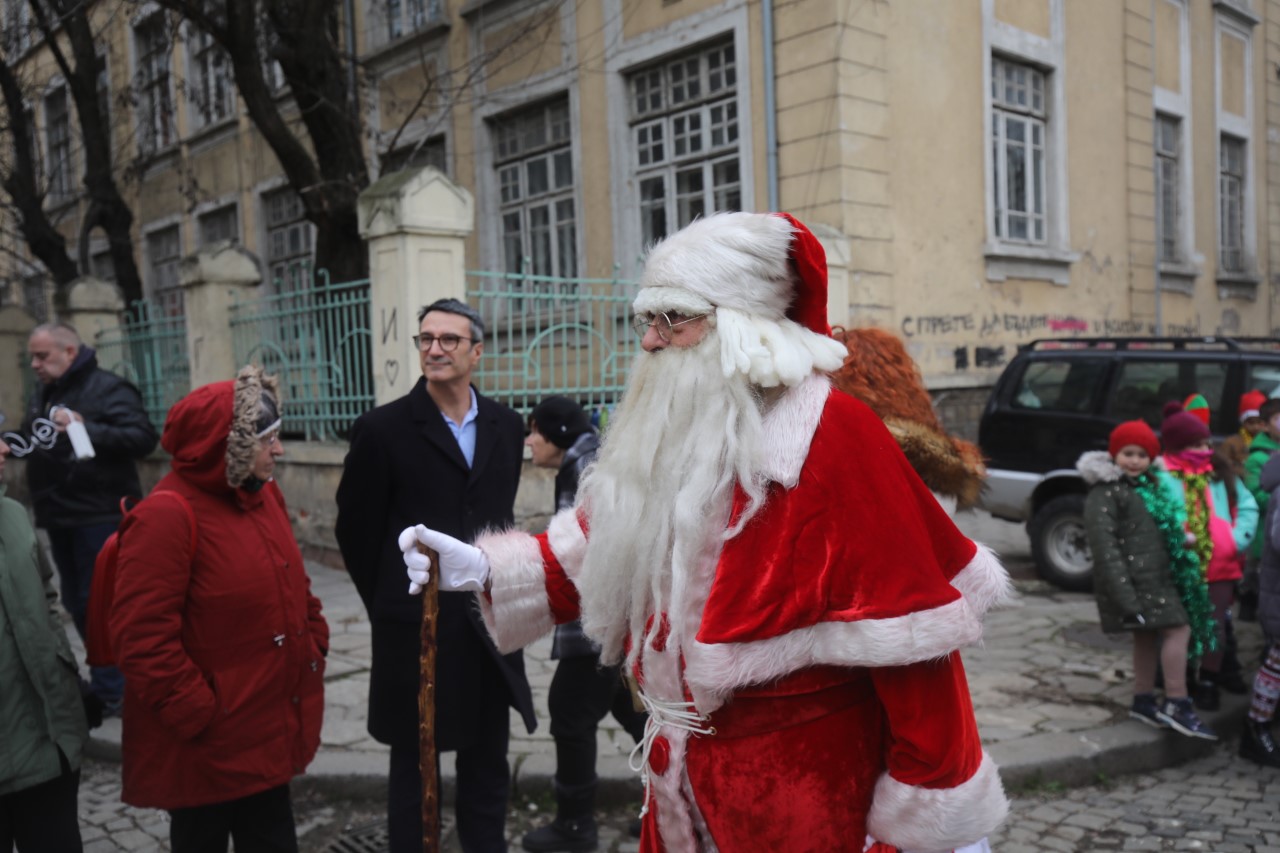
(1130, 561)
(41, 712)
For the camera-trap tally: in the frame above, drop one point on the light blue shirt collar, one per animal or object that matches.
(465, 434)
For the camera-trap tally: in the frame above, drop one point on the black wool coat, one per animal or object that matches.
(404, 467)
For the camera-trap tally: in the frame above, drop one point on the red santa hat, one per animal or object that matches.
(1251, 404)
(764, 277)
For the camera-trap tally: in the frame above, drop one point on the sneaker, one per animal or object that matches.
(1180, 715)
(1145, 710)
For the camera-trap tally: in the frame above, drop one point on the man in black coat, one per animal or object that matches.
(78, 500)
(445, 456)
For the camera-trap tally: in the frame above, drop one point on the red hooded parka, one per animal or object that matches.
(222, 650)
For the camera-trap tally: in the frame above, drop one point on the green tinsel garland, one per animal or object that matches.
(1184, 565)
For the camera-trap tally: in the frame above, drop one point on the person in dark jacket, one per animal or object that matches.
(1257, 743)
(445, 453)
(1134, 526)
(78, 500)
(582, 690)
(42, 720)
(221, 641)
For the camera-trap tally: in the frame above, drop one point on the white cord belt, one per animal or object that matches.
(676, 715)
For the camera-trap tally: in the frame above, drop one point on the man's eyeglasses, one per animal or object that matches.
(448, 343)
(662, 323)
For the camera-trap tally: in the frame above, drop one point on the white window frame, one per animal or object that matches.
(1031, 116)
(729, 21)
(1228, 24)
(211, 88)
(59, 164)
(1051, 260)
(1169, 158)
(150, 126)
(1180, 274)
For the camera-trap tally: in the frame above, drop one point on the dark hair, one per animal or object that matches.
(1223, 470)
(462, 309)
(1269, 409)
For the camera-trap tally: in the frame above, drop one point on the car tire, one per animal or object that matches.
(1059, 544)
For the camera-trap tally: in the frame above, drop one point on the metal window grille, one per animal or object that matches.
(684, 114)
(1231, 186)
(1018, 125)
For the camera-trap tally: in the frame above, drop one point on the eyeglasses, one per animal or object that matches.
(448, 343)
(270, 438)
(662, 323)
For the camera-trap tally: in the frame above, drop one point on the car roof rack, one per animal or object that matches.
(1124, 343)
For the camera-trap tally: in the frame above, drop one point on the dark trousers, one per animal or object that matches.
(42, 818)
(258, 823)
(74, 550)
(582, 693)
(484, 780)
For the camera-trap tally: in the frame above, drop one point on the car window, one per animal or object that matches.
(1060, 386)
(1145, 386)
(1265, 378)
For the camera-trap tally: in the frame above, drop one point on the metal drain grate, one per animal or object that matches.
(370, 838)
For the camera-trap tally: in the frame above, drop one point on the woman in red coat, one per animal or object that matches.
(223, 646)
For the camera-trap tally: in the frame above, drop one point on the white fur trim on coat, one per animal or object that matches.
(937, 819)
(1097, 466)
(567, 541)
(516, 612)
(984, 583)
(714, 671)
(788, 430)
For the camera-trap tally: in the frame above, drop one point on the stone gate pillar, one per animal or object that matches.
(416, 223)
(94, 306)
(212, 279)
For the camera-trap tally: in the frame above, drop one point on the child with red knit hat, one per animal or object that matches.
(1221, 519)
(1135, 527)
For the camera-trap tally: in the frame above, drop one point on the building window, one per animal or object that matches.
(684, 126)
(164, 250)
(1018, 121)
(1168, 182)
(102, 266)
(403, 17)
(534, 163)
(35, 296)
(1231, 178)
(155, 101)
(289, 241)
(220, 224)
(430, 153)
(57, 127)
(212, 92)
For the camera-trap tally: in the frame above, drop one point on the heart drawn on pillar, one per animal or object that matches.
(391, 370)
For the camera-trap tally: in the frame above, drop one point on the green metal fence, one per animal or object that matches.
(318, 342)
(548, 335)
(150, 350)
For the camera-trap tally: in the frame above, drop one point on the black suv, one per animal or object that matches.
(1059, 398)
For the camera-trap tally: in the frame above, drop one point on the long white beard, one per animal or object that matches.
(660, 493)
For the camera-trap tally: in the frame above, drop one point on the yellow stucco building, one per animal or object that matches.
(998, 170)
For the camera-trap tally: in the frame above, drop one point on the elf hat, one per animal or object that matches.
(1181, 429)
(1251, 404)
(1136, 433)
(1197, 405)
(764, 278)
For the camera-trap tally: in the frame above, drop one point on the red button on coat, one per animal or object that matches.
(659, 756)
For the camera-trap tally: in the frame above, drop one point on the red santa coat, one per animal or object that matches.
(818, 650)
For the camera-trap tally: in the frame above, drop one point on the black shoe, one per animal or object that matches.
(633, 828)
(1180, 715)
(1146, 710)
(1206, 696)
(1257, 744)
(563, 835)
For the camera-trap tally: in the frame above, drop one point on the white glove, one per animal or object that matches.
(463, 567)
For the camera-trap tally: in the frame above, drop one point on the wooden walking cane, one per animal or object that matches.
(427, 759)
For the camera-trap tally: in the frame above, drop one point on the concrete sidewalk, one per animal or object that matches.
(1050, 691)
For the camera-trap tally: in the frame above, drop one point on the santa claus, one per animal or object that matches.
(789, 595)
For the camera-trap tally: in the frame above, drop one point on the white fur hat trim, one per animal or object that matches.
(654, 299)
